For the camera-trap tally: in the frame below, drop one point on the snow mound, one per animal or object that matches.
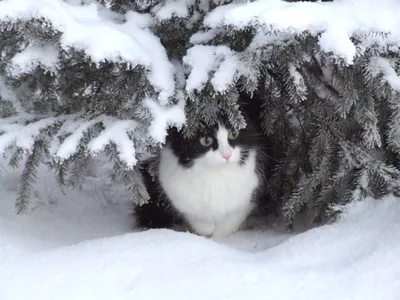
(57, 256)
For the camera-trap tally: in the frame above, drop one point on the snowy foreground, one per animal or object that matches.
(80, 246)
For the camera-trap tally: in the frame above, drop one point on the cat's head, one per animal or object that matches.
(213, 146)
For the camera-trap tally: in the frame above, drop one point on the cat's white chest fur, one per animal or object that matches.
(215, 201)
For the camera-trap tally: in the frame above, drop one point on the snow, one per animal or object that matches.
(140, 20)
(81, 246)
(84, 28)
(203, 36)
(172, 8)
(70, 145)
(163, 117)
(226, 72)
(337, 21)
(22, 136)
(60, 217)
(16, 133)
(298, 82)
(386, 67)
(161, 74)
(116, 131)
(219, 64)
(8, 94)
(203, 60)
(27, 60)
(372, 23)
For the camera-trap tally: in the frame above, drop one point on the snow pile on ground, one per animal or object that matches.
(81, 246)
(61, 217)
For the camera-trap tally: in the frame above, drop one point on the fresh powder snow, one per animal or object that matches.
(75, 245)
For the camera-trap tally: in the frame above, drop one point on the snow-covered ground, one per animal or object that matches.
(80, 246)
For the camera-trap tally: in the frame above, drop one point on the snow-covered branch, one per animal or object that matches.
(85, 28)
(336, 22)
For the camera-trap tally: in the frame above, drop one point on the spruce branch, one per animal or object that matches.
(131, 178)
(329, 195)
(77, 170)
(302, 194)
(16, 158)
(28, 177)
(294, 84)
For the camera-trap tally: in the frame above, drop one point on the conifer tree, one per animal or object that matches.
(83, 77)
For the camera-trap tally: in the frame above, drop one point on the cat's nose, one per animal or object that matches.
(226, 153)
(227, 156)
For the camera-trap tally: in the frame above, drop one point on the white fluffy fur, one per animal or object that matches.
(214, 194)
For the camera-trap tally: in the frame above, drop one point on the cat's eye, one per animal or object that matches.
(206, 141)
(233, 134)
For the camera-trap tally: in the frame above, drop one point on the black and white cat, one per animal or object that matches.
(210, 180)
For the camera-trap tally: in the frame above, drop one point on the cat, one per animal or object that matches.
(210, 181)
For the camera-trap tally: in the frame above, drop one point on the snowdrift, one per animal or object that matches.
(74, 248)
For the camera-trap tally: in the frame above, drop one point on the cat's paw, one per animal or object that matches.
(201, 227)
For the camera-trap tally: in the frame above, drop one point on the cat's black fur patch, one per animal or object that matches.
(157, 212)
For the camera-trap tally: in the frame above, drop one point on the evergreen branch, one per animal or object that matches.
(272, 103)
(62, 169)
(348, 93)
(28, 176)
(294, 84)
(365, 112)
(301, 195)
(329, 195)
(131, 178)
(16, 158)
(393, 128)
(77, 170)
